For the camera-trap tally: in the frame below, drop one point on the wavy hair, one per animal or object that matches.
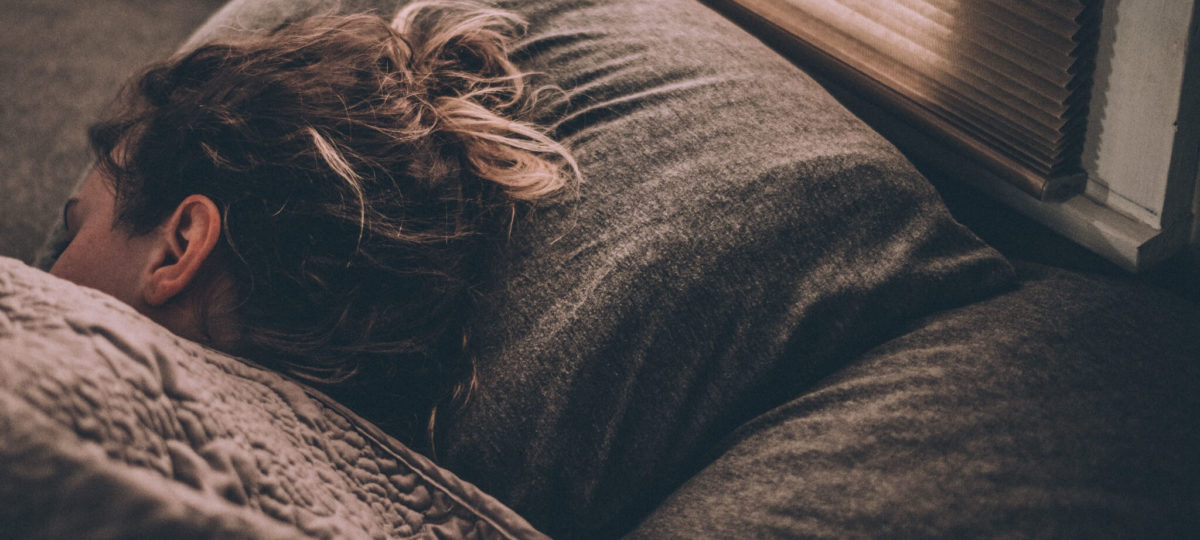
(363, 168)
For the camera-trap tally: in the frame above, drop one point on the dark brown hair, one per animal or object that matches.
(361, 167)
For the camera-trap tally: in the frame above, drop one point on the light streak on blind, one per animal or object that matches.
(1004, 81)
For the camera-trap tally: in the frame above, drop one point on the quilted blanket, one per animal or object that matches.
(111, 426)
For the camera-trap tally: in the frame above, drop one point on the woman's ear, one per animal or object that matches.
(188, 238)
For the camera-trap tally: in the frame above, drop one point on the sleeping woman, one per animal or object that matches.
(321, 199)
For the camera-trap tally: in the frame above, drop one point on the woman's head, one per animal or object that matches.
(354, 167)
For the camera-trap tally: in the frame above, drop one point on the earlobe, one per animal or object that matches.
(188, 238)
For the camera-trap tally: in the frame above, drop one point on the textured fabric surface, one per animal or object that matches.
(112, 427)
(1067, 408)
(739, 234)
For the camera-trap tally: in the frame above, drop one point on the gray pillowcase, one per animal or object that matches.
(1065, 408)
(738, 236)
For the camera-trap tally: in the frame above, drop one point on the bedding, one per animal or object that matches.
(112, 427)
(1064, 408)
(754, 319)
(738, 235)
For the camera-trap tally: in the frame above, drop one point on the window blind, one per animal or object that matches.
(1004, 81)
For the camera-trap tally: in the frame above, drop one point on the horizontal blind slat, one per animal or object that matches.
(931, 82)
(940, 41)
(1008, 79)
(1052, 48)
(912, 62)
(994, 52)
(1060, 22)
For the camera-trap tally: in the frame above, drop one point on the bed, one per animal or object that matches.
(756, 319)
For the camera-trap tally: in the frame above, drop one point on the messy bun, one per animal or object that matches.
(362, 167)
(473, 84)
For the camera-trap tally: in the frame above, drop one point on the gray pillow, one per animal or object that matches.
(739, 235)
(1065, 408)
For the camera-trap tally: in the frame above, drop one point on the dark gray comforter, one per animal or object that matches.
(112, 427)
